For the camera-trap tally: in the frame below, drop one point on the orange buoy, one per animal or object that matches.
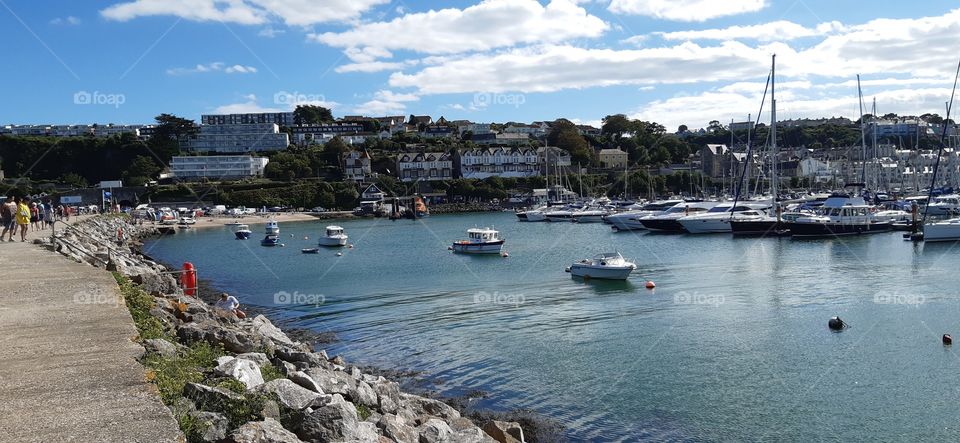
(188, 278)
(650, 284)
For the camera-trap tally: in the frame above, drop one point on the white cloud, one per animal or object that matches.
(270, 32)
(686, 10)
(374, 66)
(780, 30)
(386, 102)
(213, 67)
(245, 12)
(488, 25)
(283, 102)
(68, 20)
(553, 68)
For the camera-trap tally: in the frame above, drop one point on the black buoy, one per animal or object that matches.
(835, 324)
(947, 339)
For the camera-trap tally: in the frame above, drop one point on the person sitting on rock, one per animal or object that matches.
(229, 303)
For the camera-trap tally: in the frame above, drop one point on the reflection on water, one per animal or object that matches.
(731, 345)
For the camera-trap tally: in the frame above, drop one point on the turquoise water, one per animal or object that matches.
(731, 345)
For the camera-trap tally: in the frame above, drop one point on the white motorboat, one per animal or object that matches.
(630, 220)
(946, 230)
(607, 266)
(717, 219)
(272, 228)
(334, 237)
(669, 220)
(242, 232)
(590, 215)
(840, 215)
(480, 241)
(532, 214)
(564, 214)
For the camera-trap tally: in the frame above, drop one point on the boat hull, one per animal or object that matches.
(759, 227)
(242, 235)
(935, 232)
(588, 218)
(603, 273)
(332, 241)
(478, 248)
(663, 225)
(836, 229)
(706, 226)
(535, 216)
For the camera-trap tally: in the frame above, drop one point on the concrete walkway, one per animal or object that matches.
(68, 368)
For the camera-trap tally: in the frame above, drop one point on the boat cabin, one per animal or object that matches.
(334, 230)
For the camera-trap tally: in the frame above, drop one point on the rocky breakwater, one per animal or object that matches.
(244, 380)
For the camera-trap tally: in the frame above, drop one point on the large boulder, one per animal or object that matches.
(262, 326)
(334, 422)
(362, 393)
(503, 432)
(388, 395)
(394, 427)
(426, 406)
(312, 359)
(214, 426)
(259, 358)
(436, 431)
(160, 346)
(245, 371)
(231, 339)
(210, 398)
(304, 380)
(292, 395)
(333, 382)
(266, 431)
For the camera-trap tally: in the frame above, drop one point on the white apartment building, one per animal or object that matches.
(501, 162)
(217, 167)
(237, 138)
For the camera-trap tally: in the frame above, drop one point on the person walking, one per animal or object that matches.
(8, 213)
(34, 216)
(23, 217)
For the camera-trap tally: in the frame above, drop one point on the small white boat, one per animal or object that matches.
(242, 232)
(334, 237)
(272, 228)
(607, 266)
(480, 241)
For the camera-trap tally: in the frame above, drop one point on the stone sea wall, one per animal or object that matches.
(310, 397)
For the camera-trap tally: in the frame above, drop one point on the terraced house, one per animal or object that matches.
(425, 166)
(501, 162)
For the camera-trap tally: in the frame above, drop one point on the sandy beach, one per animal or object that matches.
(281, 217)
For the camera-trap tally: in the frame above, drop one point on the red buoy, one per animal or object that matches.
(188, 279)
(650, 284)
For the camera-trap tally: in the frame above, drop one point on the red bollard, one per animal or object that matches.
(188, 279)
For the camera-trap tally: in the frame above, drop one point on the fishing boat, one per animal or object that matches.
(606, 266)
(840, 215)
(270, 240)
(242, 232)
(334, 236)
(272, 228)
(480, 241)
(669, 220)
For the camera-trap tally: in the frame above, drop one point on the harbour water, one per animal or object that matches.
(731, 345)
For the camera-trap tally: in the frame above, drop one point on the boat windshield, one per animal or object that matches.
(720, 208)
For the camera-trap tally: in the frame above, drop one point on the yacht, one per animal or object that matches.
(272, 228)
(480, 241)
(536, 213)
(270, 240)
(563, 214)
(242, 232)
(590, 215)
(946, 230)
(717, 219)
(840, 215)
(669, 220)
(334, 237)
(630, 220)
(607, 266)
(944, 205)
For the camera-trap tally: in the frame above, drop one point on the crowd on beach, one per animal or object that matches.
(22, 214)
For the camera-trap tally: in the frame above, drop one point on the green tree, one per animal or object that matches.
(564, 135)
(312, 115)
(615, 125)
(333, 151)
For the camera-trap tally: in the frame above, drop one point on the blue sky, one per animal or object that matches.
(671, 61)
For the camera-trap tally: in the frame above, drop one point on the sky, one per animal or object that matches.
(670, 61)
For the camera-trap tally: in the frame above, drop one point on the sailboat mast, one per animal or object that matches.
(863, 134)
(873, 160)
(773, 133)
